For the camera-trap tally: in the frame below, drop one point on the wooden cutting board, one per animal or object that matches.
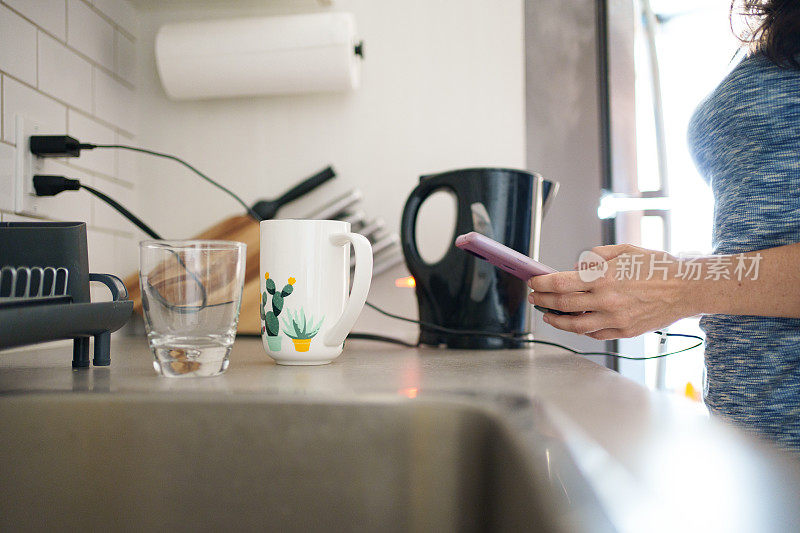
(241, 228)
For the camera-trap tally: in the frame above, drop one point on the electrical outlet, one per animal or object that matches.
(26, 165)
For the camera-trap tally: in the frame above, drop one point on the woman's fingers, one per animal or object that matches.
(611, 251)
(559, 282)
(567, 302)
(583, 324)
(606, 334)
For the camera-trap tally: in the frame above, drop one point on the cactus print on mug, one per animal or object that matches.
(269, 319)
(301, 329)
(298, 326)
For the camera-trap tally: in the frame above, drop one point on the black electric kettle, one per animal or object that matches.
(460, 291)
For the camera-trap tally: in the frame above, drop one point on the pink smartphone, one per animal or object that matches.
(505, 258)
(501, 256)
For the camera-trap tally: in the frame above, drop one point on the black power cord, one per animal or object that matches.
(525, 339)
(66, 146)
(122, 210)
(46, 185)
(380, 338)
(89, 146)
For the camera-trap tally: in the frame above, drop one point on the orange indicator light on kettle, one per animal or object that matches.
(407, 282)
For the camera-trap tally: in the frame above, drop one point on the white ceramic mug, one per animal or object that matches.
(305, 275)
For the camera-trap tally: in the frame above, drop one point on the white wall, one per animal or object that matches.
(70, 66)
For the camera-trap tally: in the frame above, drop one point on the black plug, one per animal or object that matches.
(55, 146)
(52, 185)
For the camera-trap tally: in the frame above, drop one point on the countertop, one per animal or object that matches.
(626, 440)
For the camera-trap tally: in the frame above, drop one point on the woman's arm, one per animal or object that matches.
(774, 292)
(643, 290)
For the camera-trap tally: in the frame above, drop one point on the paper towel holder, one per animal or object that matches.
(259, 56)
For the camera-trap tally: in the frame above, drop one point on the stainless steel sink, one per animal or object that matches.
(227, 462)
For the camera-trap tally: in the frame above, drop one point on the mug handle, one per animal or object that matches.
(361, 282)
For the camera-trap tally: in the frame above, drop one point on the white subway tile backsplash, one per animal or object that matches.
(125, 60)
(126, 253)
(98, 292)
(121, 12)
(7, 159)
(104, 216)
(19, 98)
(50, 15)
(12, 217)
(89, 33)
(114, 102)
(88, 130)
(101, 251)
(18, 48)
(127, 162)
(64, 74)
(101, 261)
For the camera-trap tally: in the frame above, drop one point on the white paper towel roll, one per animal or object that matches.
(258, 56)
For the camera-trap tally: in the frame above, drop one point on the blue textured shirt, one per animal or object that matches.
(745, 138)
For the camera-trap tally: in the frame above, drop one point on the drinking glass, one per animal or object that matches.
(191, 296)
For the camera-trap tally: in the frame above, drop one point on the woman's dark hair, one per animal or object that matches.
(772, 27)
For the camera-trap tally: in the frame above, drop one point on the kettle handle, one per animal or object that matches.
(408, 222)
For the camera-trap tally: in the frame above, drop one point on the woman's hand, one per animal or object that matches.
(640, 291)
